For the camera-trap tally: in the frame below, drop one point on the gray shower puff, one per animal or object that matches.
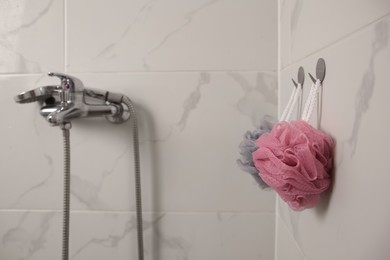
(248, 146)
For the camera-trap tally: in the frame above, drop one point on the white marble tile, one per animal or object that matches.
(174, 236)
(150, 35)
(31, 169)
(286, 247)
(284, 34)
(289, 221)
(31, 36)
(353, 111)
(316, 24)
(30, 235)
(190, 128)
(38, 235)
(352, 77)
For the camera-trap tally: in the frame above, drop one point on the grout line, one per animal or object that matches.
(141, 72)
(279, 63)
(335, 42)
(21, 74)
(65, 35)
(146, 212)
(279, 59)
(171, 71)
(276, 228)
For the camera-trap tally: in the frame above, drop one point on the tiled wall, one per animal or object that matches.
(351, 222)
(200, 72)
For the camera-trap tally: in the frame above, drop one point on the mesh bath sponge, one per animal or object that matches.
(248, 146)
(295, 160)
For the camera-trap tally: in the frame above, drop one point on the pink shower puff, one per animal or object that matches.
(295, 160)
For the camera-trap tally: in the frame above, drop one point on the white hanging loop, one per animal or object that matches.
(311, 100)
(287, 108)
(294, 97)
(294, 102)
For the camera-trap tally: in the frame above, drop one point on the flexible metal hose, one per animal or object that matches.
(137, 167)
(65, 229)
(137, 175)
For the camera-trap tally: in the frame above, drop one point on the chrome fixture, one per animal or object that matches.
(301, 77)
(320, 71)
(70, 100)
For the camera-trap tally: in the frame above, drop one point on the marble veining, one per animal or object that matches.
(188, 18)
(263, 89)
(295, 14)
(192, 100)
(88, 192)
(44, 10)
(10, 30)
(180, 247)
(39, 185)
(23, 242)
(110, 241)
(17, 59)
(113, 240)
(204, 35)
(108, 52)
(366, 89)
(189, 104)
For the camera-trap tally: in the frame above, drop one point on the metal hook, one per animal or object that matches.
(295, 84)
(301, 77)
(320, 71)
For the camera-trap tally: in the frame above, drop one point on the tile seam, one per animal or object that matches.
(335, 42)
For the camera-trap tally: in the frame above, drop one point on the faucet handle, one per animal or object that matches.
(38, 94)
(69, 83)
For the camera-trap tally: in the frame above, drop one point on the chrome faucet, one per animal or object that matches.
(70, 100)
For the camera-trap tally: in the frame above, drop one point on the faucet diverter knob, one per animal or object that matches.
(72, 88)
(68, 83)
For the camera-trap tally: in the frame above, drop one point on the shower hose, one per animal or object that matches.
(65, 234)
